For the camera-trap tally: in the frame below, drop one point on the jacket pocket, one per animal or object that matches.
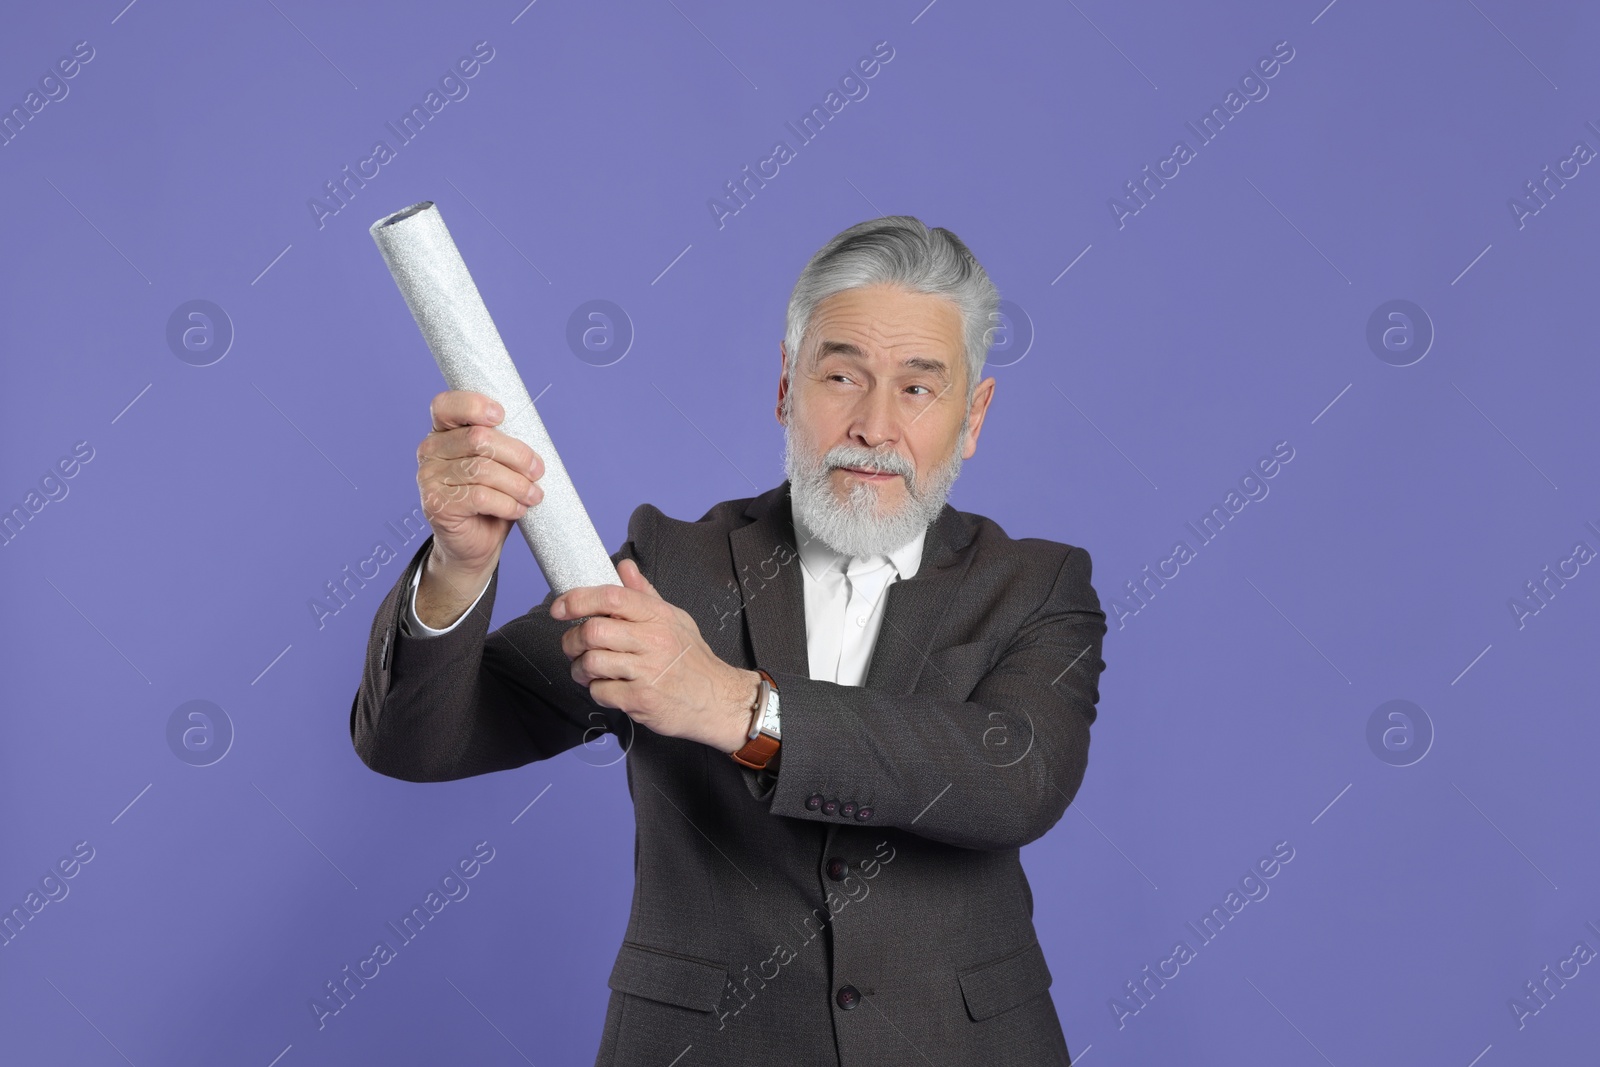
(991, 988)
(657, 974)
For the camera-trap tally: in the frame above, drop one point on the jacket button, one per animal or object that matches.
(838, 868)
(848, 808)
(848, 997)
(830, 806)
(863, 814)
(814, 801)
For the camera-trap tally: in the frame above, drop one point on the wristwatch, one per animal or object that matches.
(763, 742)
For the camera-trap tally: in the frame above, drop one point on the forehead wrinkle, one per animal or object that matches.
(873, 333)
(883, 327)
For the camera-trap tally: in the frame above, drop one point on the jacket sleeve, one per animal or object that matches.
(467, 702)
(993, 771)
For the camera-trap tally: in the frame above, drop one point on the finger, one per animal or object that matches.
(605, 634)
(463, 407)
(485, 444)
(617, 601)
(625, 697)
(462, 489)
(454, 502)
(601, 665)
(608, 693)
(451, 478)
(634, 578)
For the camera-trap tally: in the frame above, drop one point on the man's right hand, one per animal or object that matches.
(475, 483)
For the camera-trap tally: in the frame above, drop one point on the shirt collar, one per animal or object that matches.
(819, 557)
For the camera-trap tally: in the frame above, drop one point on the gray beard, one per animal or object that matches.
(853, 526)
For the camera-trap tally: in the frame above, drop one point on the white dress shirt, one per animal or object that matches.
(844, 597)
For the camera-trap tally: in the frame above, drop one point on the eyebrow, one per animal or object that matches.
(845, 348)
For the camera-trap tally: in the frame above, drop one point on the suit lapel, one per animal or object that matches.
(774, 605)
(917, 605)
(767, 566)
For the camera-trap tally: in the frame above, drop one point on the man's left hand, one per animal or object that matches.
(646, 657)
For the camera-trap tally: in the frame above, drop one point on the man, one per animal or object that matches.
(845, 704)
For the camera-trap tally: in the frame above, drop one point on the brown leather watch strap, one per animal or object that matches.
(759, 750)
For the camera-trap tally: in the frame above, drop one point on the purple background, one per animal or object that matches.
(1229, 314)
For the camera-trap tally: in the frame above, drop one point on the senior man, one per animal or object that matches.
(845, 704)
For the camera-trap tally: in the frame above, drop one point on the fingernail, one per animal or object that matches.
(557, 609)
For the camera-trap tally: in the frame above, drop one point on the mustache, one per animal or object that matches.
(866, 459)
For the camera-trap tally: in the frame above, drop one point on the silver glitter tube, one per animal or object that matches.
(444, 300)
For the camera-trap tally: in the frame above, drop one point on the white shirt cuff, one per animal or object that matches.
(415, 627)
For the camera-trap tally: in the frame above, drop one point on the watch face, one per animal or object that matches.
(769, 721)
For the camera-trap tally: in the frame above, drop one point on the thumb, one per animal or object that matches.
(634, 578)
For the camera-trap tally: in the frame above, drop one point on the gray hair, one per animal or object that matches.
(897, 250)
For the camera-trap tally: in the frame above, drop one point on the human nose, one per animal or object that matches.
(876, 421)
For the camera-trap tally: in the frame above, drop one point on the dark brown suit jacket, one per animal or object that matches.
(882, 852)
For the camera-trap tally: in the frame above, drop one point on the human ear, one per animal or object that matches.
(783, 381)
(980, 407)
